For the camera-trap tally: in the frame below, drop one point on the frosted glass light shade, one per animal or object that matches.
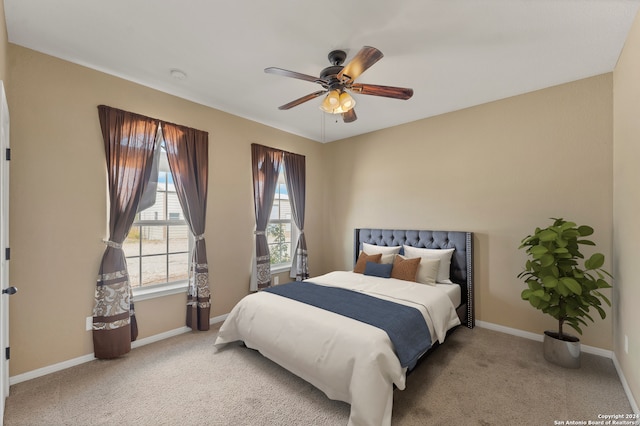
(337, 103)
(346, 101)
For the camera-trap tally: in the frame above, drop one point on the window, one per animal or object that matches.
(281, 229)
(159, 242)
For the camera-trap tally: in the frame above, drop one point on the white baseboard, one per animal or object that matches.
(90, 357)
(588, 349)
(158, 337)
(625, 385)
(219, 318)
(50, 369)
(539, 337)
(509, 330)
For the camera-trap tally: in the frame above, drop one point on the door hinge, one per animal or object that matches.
(7, 353)
(8, 154)
(7, 253)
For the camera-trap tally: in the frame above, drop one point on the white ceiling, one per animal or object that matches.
(453, 53)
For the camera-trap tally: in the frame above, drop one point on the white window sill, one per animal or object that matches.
(144, 293)
(278, 269)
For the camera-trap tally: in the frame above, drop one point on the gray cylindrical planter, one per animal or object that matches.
(565, 353)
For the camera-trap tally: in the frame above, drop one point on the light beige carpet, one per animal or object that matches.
(478, 377)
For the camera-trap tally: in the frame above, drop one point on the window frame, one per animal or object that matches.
(149, 291)
(284, 266)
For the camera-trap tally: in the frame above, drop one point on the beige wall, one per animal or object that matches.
(58, 202)
(498, 170)
(626, 204)
(3, 45)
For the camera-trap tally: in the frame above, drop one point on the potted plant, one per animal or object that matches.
(558, 285)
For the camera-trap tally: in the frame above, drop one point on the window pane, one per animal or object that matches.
(154, 239)
(147, 247)
(178, 238)
(279, 227)
(287, 231)
(274, 231)
(170, 185)
(173, 206)
(275, 210)
(162, 181)
(279, 253)
(131, 245)
(154, 269)
(133, 266)
(178, 267)
(279, 240)
(155, 212)
(285, 209)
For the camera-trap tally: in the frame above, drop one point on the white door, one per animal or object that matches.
(4, 252)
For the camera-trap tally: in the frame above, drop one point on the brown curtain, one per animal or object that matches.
(295, 173)
(129, 143)
(265, 166)
(188, 154)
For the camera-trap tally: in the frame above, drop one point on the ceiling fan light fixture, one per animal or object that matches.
(331, 102)
(326, 106)
(333, 98)
(346, 101)
(337, 103)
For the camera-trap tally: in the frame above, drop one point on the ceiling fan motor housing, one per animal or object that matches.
(330, 76)
(337, 57)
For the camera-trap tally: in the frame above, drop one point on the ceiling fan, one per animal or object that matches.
(337, 81)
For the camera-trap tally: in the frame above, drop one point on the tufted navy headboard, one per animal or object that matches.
(461, 262)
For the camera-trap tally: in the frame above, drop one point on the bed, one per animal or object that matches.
(343, 355)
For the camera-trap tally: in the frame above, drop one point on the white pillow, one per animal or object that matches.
(443, 254)
(427, 271)
(386, 258)
(373, 249)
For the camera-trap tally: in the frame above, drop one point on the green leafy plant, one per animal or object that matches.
(557, 284)
(278, 247)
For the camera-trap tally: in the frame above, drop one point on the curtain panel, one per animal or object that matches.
(295, 174)
(129, 142)
(265, 166)
(188, 155)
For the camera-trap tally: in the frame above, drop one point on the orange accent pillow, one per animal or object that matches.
(405, 269)
(361, 264)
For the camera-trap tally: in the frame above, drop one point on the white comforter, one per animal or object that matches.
(348, 360)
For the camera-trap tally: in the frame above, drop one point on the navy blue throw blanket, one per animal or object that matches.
(405, 325)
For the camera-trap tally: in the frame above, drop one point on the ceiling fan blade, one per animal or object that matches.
(349, 116)
(292, 74)
(386, 91)
(302, 99)
(364, 59)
